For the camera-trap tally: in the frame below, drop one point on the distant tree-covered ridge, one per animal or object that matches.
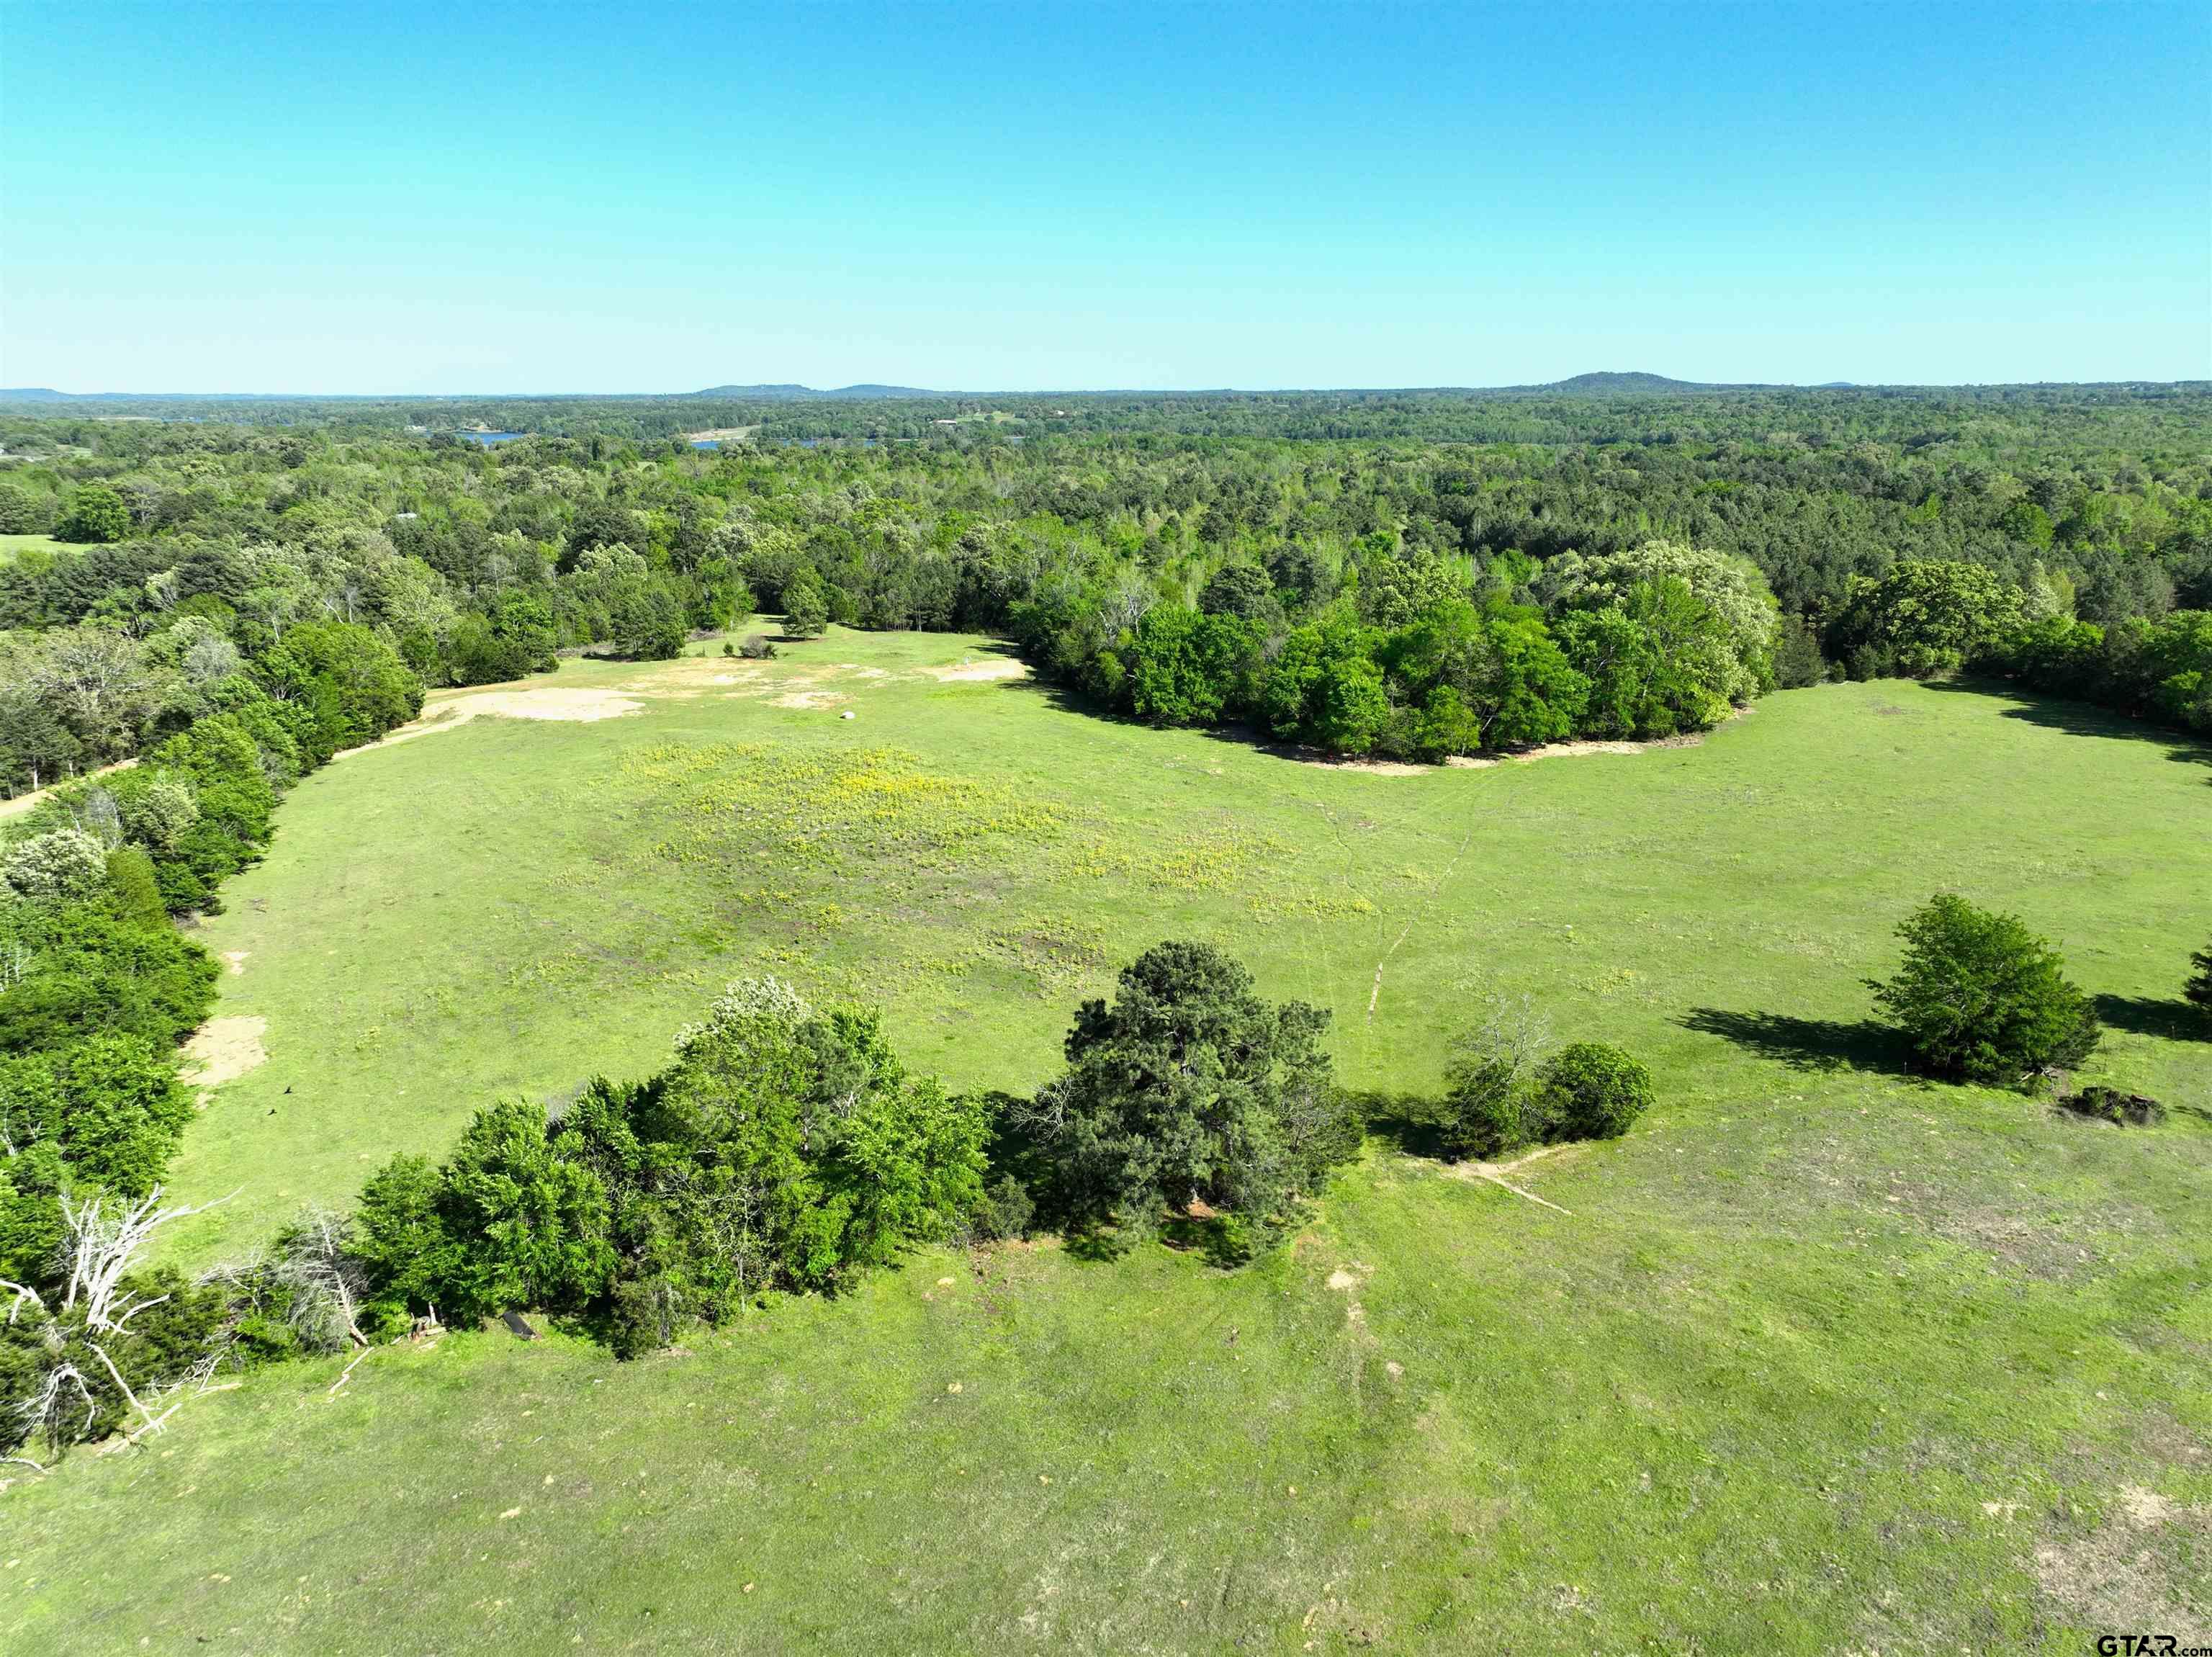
(1413, 574)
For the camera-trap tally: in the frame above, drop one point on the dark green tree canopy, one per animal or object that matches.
(805, 604)
(1187, 1087)
(96, 513)
(1981, 998)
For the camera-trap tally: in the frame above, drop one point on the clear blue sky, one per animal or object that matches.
(301, 197)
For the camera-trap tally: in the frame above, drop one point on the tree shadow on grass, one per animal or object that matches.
(2175, 1019)
(1221, 1243)
(1408, 1121)
(2056, 713)
(1804, 1043)
(1095, 1246)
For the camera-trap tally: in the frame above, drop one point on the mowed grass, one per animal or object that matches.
(11, 546)
(1821, 1358)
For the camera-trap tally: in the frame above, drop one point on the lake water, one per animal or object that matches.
(493, 439)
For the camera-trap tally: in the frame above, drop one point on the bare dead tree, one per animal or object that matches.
(48, 1411)
(22, 1293)
(326, 1283)
(101, 1241)
(102, 1245)
(1515, 1032)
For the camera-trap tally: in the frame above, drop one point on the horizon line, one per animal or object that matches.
(793, 391)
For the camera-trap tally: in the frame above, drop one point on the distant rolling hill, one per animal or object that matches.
(1656, 385)
(1627, 382)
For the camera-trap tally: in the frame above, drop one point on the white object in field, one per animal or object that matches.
(848, 714)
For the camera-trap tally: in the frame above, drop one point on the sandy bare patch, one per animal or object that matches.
(544, 702)
(2128, 1572)
(1372, 767)
(2146, 1509)
(235, 961)
(971, 673)
(223, 1050)
(1347, 1281)
(1559, 751)
(549, 702)
(808, 699)
(697, 675)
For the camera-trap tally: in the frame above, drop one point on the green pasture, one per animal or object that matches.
(1819, 1359)
(12, 546)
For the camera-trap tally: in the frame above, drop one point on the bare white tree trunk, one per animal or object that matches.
(102, 1247)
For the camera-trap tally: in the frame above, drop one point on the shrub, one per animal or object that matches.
(106, 964)
(649, 624)
(156, 811)
(398, 1237)
(1004, 1211)
(2198, 990)
(354, 684)
(1981, 998)
(1503, 1093)
(22, 513)
(782, 1149)
(1186, 667)
(1594, 1091)
(134, 889)
(518, 637)
(67, 864)
(1488, 1109)
(1491, 1105)
(532, 1226)
(1797, 658)
(1924, 617)
(756, 648)
(1732, 608)
(110, 1102)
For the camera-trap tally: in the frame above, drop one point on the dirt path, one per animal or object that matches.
(23, 802)
(1495, 1173)
(1435, 886)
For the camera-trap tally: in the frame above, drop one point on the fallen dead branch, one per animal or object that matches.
(346, 1374)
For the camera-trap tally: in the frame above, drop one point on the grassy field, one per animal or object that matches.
(12, 544)
(1820, 1359)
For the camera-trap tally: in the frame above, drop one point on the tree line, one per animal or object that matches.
(99, 987)
(784, 1148)
(787, 1149)
(1417, 598)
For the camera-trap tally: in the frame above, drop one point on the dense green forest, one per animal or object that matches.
(235, 601)
(1412, 574)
